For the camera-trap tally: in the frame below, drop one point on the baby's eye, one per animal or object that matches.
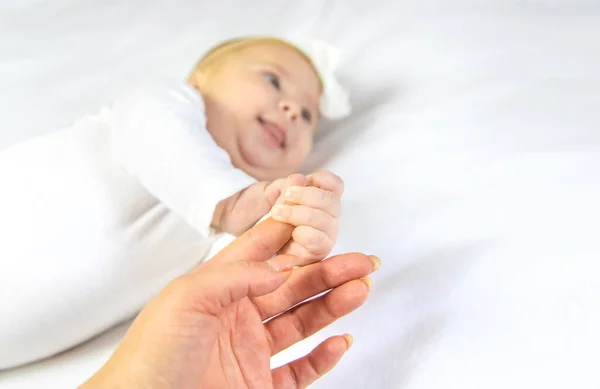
(273, 79)
(306, 115)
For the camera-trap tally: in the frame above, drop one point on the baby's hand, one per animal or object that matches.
(236, 214)
(315, 210)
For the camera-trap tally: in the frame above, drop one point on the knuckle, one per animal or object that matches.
(331, 197)
(298, 324)
(294, 378)
(258, 242)
(272, 339)
(313, 367)
(324, 196)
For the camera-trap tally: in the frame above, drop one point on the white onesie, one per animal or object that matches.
(97, 218)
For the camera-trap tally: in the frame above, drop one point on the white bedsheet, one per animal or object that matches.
(472, 165)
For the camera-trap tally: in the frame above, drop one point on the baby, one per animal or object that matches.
(98, 217)
(259, 100)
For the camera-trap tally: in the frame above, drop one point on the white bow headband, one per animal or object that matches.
(334, 102)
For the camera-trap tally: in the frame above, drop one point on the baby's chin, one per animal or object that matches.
(262, 173)
(258, 164)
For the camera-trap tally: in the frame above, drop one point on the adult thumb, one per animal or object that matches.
(215, 288)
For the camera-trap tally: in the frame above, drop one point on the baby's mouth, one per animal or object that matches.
(275, 133)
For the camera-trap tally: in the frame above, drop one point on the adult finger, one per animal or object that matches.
(260, 243)
(216, 287)
(311, 280)
(310, 317)
(304, 371)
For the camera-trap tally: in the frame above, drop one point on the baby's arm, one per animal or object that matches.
(159, 136)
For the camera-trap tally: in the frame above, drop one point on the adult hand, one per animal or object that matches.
(207, 329)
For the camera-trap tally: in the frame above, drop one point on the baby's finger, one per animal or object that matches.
(300, 215)
(328, 181)
(317, 243)
(302, 256)
(299, 180)
(273, 191)
(314, 197)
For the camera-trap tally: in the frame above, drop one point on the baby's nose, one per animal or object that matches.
(290, 109)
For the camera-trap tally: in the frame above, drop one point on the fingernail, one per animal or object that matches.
(349, 340)
(367, 282)
(290, 193)
(376, 262)
(278, 211)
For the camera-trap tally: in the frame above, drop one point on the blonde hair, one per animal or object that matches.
(220, 52)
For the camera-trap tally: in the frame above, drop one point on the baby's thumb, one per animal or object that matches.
(217, 287)
(273, 191)
(276, 190)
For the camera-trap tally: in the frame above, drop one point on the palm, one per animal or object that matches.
(241, 354)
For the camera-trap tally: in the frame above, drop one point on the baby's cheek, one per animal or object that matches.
(308, 144)
(298, 153)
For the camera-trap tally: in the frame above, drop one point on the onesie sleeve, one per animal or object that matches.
(159, 135)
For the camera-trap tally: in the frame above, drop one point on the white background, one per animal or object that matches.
(472, 168)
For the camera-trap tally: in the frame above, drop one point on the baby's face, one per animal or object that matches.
(262, 108)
